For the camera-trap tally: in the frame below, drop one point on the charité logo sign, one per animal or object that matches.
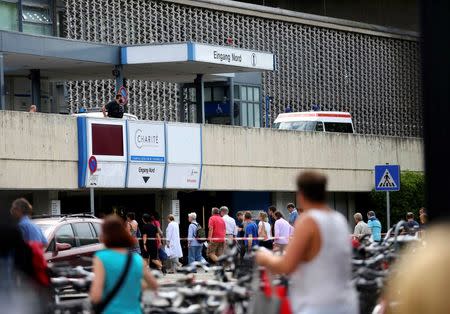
(145, 140)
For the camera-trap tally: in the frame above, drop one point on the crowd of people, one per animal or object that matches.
(373, 226)
(269, 229)
(313, 242)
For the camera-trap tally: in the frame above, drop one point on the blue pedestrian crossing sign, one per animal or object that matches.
(387, 178)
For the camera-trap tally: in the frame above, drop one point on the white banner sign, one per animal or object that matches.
(146, 141)
(145, 175)
(233, 56)
(183, 176)
(184, 143)
(56, 207)
(108, 175)
(176, 210)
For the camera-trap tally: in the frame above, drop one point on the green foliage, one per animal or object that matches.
(409, 199)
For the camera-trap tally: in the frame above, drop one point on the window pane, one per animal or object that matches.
(236, 92)
(319, 126)
(219, 93)
(256, 94)
(208, 93)
(65, 235)
(250, 93)
(251, 118)
(8, 16)
(257, 115)
(98, 229)
(38, 29)
(84, 234)
(237, 113)
(36, 20)
(36, 15)
(338, 127)
(244, 114)
(243, 93)
(298, 125)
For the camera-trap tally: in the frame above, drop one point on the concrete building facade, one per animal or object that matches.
(371, 71)
(39, 155)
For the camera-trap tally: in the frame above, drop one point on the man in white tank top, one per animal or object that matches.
(318, 258)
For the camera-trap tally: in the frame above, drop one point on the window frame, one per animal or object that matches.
(246, 98)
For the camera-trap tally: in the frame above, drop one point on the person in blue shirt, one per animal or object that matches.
(412, 224)
(374, 225)
(251, 231)
(194, 246)
(293, 214)
(21, 210)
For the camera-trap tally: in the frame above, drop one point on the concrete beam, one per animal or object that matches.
(39, 151)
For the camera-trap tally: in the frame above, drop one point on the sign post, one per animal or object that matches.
(387, 178)
(56, 207)
(91, 192)
(93, 168)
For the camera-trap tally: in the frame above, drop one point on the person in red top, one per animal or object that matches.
(216, 235)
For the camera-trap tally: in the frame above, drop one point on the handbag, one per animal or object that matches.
(100, 307)
(162, 254)
(260, 301)
(263, 304)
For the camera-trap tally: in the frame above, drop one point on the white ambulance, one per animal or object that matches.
(319, 121)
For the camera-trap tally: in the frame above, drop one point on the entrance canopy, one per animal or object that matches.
(64, 59)
(180, 62)
(57, 58)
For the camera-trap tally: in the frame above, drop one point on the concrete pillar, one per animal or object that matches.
(164, 205)
(42, 202)
(281, 199)
(2, 84)
(351, 206)
(35, 76)
(200, 98)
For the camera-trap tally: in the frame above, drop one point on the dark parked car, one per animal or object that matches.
(70, 238)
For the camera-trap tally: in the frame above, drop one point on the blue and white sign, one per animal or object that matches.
(146, 154)
(138, 154)
(387, 178)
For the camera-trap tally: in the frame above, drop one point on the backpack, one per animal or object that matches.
(200, 233)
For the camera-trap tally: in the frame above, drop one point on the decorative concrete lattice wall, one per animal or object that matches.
(377, 79)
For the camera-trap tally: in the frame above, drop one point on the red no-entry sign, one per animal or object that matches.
(93, 164)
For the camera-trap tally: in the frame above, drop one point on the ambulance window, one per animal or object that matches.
(338, 127)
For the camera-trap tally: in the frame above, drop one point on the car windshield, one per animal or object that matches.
(296, 125)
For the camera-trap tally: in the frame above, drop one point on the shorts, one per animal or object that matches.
(216, 248)
(151, 253)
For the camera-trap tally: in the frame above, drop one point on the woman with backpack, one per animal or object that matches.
(194, 245)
